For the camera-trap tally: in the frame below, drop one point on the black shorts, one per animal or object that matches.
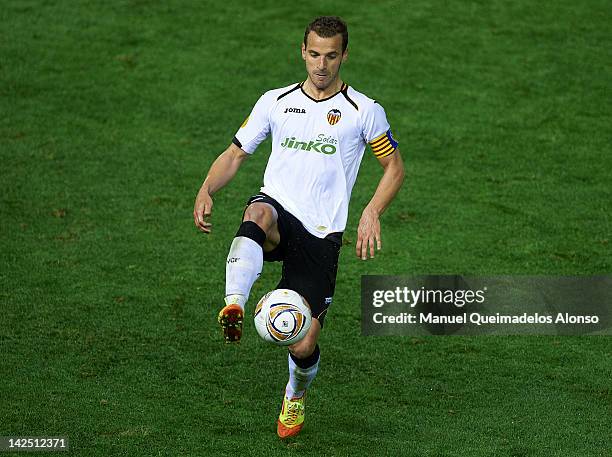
(310, 263)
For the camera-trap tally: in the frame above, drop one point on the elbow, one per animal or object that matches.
(399, 173)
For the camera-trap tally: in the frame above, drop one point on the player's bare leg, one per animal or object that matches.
(257, 233)
(303, 367)
(265, 216)
(306, 346)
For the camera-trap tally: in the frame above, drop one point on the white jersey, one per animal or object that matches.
(317, 147)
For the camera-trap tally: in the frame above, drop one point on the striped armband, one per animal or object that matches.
(383, 145)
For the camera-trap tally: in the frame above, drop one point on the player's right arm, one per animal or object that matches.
(221, 172)
(251, 133)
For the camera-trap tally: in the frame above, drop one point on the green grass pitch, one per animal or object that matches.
(110, 115)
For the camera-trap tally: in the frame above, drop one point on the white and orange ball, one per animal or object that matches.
(282, 317)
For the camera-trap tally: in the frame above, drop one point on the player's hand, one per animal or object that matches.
(368, 233)
(202, 210)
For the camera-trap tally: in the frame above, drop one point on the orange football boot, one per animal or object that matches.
(291, 418)
(230, 318)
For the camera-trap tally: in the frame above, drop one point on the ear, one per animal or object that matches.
(345, 55)
(303, 51)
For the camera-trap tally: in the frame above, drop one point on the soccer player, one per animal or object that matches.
(320, 128)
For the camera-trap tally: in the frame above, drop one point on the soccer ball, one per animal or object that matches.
(282, 317)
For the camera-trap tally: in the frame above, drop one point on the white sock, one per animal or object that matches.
(244, 264)
(235, 299)
(300, 378)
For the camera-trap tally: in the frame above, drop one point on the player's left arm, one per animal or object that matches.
(368, 231)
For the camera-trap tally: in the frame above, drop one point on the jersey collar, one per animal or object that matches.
(342, 89)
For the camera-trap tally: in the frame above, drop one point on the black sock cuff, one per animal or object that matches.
(253, 231)
(308, 361)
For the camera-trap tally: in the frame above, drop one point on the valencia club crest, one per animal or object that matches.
(333, 116)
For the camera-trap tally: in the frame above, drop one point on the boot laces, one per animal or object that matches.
(294, 408)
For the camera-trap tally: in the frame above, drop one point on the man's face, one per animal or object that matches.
(323, 57)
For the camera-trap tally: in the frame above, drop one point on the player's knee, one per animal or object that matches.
(303, 349)
(306, 347)
(261, 214)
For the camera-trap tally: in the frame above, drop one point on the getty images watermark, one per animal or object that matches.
(473, 305)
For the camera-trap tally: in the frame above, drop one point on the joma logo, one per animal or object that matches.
(295, 110)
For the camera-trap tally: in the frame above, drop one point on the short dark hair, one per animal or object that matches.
(327, 27)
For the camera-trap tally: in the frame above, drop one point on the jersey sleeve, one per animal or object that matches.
(377, 132)
(256, 127)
